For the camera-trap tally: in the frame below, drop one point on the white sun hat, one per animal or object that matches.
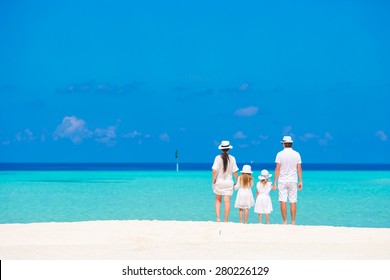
(287, 139)
(246, 169)
(264, 175)
(225, 145)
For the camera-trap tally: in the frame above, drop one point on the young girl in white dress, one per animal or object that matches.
(263, 200)
(244, 199)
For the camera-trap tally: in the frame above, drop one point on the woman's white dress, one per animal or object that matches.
(244, 199)
(223, 184)
(263, 201)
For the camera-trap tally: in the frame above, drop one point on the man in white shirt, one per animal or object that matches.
(288, 170)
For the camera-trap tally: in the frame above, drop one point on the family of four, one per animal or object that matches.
(287, 179)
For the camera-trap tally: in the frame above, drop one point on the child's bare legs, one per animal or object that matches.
(218, 200)
(267, 218)
(226, 200)
(240, 214)
(259, 215)
(246, 215)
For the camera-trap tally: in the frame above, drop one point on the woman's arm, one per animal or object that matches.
(236, 175)
(237, 185)
(213, 176)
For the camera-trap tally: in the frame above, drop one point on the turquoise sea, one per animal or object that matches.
(353, 197)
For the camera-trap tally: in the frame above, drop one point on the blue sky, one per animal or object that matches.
(134, 81)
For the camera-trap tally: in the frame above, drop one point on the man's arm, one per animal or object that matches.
(299, 169)
(277, 172)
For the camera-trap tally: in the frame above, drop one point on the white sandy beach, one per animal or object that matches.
(168, 240)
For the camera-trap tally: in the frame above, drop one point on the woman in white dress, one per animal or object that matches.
(223, 169)
(263, 200)
(244, 199)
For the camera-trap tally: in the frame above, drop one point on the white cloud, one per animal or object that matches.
(246, 112)
(25, 136)
(76, 130)
(243, 146)
(243, 87)
(287, 131)
(164, 137)
(73, 128)
(381, 135)
(308, 136)
(263, 137)
(133, 134)
(323, 141)
(239, 135)
(106, 136)
(141, 136)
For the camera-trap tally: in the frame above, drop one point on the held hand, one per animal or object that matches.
(274, 187)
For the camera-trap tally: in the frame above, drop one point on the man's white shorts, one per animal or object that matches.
(288, 190)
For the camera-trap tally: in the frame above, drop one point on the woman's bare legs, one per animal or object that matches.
(240, 214)
(218, 200)
(259, 215)
(226, 200)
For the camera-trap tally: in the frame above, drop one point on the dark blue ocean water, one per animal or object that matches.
(335, 195)
(172, 166)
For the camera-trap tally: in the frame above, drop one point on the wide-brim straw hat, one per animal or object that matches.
(225, 145)
(246, 169)
(287, 139)
(264, 175)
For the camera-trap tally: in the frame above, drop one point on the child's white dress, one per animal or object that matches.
(263, 201)
(244, 199)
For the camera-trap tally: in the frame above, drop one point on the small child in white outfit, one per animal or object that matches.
(263, 200)
(244, 199)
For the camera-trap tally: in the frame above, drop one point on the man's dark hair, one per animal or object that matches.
(287, 145)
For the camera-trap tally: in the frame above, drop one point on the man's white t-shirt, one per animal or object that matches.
(288, 159)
